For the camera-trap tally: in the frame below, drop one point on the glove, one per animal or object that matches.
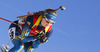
(43, 39)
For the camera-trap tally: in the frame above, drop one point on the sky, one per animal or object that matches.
(77, 29)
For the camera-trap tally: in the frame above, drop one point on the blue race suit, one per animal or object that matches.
(22, 38)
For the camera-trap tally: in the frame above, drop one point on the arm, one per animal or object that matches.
(40, 41)
(26, 30)
(28, 39)
(44, 38)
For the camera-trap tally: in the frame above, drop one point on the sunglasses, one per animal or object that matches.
(49, 21)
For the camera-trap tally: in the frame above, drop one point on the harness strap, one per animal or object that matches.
(37, 22)
(47, 29)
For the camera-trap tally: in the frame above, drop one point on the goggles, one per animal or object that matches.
(47, 20)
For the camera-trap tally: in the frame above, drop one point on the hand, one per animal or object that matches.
(43, 39)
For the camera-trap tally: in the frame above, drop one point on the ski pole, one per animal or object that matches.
(9, 21)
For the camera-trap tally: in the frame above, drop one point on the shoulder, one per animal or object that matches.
(49, 28)
(30, 17)
(48, 34)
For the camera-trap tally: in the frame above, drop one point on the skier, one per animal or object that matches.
(34, 29)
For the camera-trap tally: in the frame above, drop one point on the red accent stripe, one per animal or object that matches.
(49, 28)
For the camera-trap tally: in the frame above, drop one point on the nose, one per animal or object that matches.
(49, 24)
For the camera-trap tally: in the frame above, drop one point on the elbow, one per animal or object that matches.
(23, 41)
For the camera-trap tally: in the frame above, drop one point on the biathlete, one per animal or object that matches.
(34, 29)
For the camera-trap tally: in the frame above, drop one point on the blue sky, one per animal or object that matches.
(77, 29)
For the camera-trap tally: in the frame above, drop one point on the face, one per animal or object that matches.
(46, 22)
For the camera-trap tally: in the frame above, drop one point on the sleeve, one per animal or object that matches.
(26, 30)
(48, 34)
(28, 39)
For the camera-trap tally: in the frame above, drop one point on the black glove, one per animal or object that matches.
(43, 39)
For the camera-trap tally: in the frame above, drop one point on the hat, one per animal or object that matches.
(50, 16)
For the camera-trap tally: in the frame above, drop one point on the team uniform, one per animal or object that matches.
(29, 35)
